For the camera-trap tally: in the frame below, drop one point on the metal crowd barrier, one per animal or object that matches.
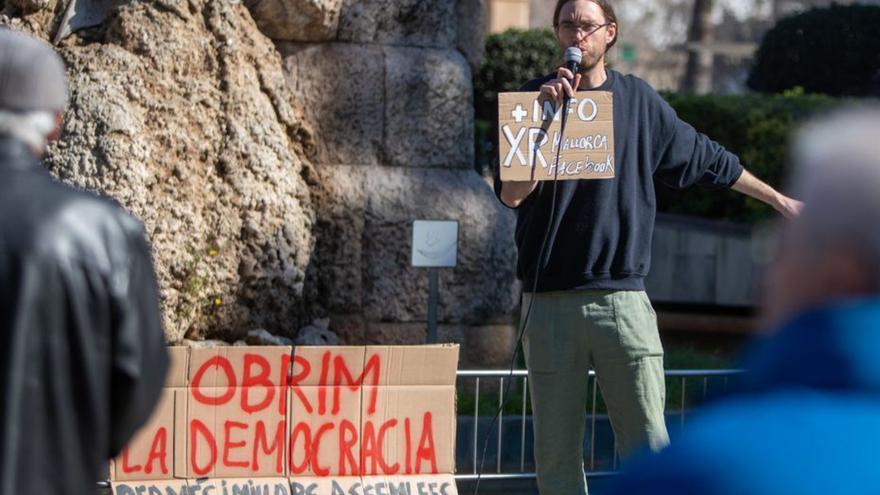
(678, 405)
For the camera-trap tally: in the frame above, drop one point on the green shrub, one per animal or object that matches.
(512, 58)
(757, 128)
(833, 51)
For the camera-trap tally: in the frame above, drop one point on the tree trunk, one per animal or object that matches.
(701, 35)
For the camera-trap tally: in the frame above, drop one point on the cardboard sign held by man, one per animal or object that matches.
(529, 137)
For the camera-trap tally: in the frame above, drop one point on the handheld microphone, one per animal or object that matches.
(572, 59)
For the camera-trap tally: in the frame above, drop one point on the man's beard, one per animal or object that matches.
(589, 61)
(583, 69)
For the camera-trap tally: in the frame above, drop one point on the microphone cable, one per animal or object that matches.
(525, 320)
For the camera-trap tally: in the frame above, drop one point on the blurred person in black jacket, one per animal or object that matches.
(83, 352)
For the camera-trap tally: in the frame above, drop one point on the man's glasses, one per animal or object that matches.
(587, 27)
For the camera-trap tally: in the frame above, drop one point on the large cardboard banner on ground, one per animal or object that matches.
(529, 137)
(375, 420)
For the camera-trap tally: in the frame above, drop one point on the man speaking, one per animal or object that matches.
(587, 292)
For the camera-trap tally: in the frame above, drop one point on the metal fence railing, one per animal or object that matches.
(685, 388)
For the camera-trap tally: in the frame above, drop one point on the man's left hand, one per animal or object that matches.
(788, 207)
(754, 187)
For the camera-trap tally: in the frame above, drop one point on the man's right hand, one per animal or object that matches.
(555, 89)
(513, 193)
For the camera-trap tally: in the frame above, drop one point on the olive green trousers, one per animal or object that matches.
(567, 334)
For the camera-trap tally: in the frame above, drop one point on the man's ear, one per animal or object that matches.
(59, 125)
(611, 33)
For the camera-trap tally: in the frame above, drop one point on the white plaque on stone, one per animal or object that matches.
(435, 243)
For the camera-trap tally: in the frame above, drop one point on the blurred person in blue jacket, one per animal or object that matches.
(805, 418)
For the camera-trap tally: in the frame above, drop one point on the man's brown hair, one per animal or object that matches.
(607, 11)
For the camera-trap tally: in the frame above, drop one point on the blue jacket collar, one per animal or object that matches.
(836, 347)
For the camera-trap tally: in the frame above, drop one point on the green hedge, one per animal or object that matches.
(833, 50)
(757, 128)
(512, 58)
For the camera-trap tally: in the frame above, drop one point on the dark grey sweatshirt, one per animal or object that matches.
(602, 229)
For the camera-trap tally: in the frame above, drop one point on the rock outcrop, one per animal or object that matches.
(295, 20)
(179, 110)
(278, 178)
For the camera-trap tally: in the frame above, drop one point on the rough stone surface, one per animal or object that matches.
(318, 334)
(181, 113)
(488, 346)
(451, 334)
(382, 333)
(429, 23)
(409, 107)
(429, 115)
(203, 344)
(260, 336)
(480, 289)
(470, 41)
(336, 273)
(341, 90)
(30, 6)
(354, 330)
(363, 248)
(36, 17)
(485, 347)
(296, 20)
(351, 328)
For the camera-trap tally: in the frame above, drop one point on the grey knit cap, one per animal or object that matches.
(32, 75)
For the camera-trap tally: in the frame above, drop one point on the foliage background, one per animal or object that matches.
(833, 50)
